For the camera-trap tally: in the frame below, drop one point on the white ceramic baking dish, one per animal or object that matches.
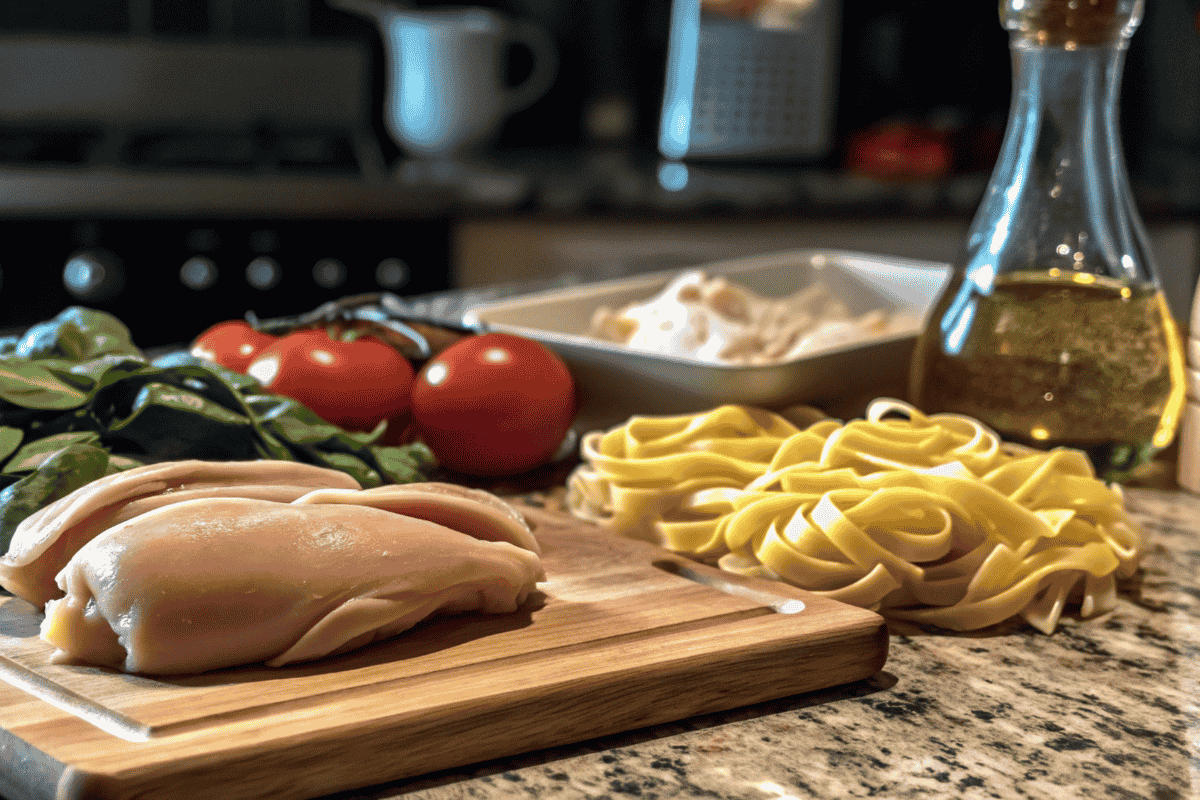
(615, 382)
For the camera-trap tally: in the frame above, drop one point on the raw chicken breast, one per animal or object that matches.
(207, 584)
(45, 541)
(473, 511)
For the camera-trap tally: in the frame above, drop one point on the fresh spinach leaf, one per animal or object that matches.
(112, 366)
(58, 476)
(77, 333)
(243, 384)
(10, 440)
(166, 423)
(353, 466)
(35, 453)
(405, 463)
(30, 385)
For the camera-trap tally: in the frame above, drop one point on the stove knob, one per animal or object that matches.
(392, 273)
(93, 275)
(203, 240)
(329, 273)
(198, 272)
(263, 273)
(264, 241)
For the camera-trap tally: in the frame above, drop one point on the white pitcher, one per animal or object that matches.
(446, 92)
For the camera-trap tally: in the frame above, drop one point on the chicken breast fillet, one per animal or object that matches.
(472, 511)
(45, 541)
(207, 584)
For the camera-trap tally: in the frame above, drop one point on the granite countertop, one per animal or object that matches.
(1103, 708)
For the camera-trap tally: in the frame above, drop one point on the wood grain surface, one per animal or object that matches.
(617, 638)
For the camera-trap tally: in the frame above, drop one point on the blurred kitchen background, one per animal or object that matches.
(178, 161)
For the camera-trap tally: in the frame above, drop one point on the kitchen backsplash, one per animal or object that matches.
(263, 18)
(895, 60)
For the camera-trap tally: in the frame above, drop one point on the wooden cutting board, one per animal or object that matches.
(619, 638)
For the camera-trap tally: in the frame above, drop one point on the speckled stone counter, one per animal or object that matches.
(1103, 708)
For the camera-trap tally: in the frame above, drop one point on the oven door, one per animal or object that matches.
(168, 279)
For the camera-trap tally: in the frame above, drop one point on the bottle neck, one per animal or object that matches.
(1059, 197)
(1071, 23)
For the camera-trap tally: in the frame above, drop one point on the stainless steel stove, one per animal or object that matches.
(175, 184)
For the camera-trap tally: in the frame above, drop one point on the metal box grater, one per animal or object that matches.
(752, 87)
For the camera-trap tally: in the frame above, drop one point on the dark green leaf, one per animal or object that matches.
(62, 370)
(405, 463)
(120, 386)
(273, 406)
(206, 382)
(58, 476)
(30, 385)
(87, 376)
(271, 447)
(77, 333)
(353, 466)
(217, 388)
(111, 366)
(172, 397)
(34, 453)
(181, 358)
(112, 371)
(301, 428)
(70, 421)
(166, 423)
(44, 340)
(10, 440)
(373, 436)
(39, 423)
(296, 422)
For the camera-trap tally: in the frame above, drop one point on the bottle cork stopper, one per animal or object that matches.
(1071, 23)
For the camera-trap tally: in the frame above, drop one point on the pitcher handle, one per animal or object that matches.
(545, 64)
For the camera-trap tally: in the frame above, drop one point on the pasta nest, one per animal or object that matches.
(931, 519)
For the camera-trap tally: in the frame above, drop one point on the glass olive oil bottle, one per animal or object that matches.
(1054, 330)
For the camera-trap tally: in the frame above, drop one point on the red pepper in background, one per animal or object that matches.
(899, 149)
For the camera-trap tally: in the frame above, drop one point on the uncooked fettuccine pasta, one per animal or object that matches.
(931, 519)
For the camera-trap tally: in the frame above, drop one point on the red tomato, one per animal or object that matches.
(494, 404)
(353, 384)
(232, 344)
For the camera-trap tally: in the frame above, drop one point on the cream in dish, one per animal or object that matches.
(718, 320)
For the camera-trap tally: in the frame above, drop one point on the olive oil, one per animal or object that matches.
(1050, 358)
(1054, 330)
